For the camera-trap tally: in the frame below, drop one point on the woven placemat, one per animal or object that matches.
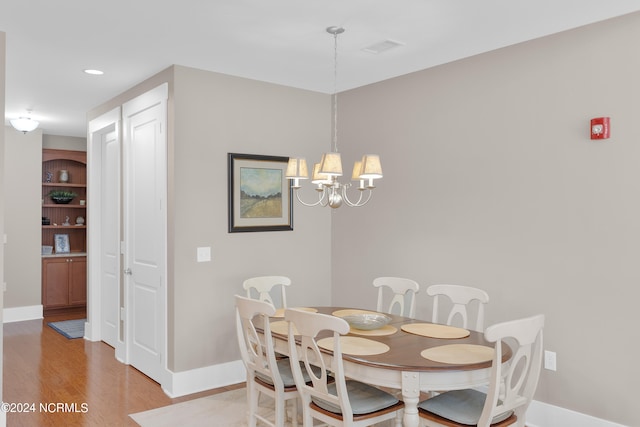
(282, 327)
(280, 311)
(433, 330)
(385, 330)
(355, 346)
(351, 312)
(459, 354)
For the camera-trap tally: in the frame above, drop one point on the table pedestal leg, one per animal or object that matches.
(411, 397)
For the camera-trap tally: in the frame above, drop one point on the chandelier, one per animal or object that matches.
(332, 192)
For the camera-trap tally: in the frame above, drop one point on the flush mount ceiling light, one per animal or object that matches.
(94, 72)
(325, 176)
(24, 124)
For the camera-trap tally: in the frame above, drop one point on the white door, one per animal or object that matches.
(110, 238)
(145, 225)
(103, 226)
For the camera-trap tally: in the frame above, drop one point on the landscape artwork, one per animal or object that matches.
(259, 193)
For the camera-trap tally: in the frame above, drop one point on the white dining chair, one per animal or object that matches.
(265, 374)
(401, 288)
(329, 397)
(510, 391)
(265, 288)
(461, 298)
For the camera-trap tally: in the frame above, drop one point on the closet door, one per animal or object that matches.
(145, 225)
(110, 248)
(104, 231)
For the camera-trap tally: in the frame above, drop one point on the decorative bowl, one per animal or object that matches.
(367, 321)
(61, 199)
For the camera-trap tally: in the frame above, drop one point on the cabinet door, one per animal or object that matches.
(77, 280)
(55, 282)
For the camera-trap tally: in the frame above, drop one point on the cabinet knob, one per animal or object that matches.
(127, 271)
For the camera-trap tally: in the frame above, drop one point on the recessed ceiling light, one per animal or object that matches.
(94, 72)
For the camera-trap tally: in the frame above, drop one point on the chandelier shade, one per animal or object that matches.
(331, 164)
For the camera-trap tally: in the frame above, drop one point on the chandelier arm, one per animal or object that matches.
(321, 198)
(359, 202)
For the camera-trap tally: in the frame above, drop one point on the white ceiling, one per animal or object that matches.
(50, 42)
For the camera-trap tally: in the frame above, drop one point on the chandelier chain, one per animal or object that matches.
(335, 92)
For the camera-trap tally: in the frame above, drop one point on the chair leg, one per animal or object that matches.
(307, 419)
(252, 398)
(281, 411)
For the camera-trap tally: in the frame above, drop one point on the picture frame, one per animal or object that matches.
(61, 243)
(260, 196)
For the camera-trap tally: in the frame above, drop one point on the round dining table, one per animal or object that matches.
(406, 358)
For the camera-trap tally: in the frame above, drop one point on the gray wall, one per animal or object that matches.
(491, 180)
(58, 142)
(22, 217)
(216, 114)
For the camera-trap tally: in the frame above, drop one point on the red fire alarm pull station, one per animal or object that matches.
(600, 128)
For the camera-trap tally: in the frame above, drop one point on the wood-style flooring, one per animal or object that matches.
(43, 367)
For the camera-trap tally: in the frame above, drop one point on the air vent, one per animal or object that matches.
(382, 46)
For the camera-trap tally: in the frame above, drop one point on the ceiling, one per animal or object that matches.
(51, 42)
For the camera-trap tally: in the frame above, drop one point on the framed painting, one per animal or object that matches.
(260, 196)
(61, 243)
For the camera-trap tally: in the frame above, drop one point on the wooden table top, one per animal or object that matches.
(405, 348)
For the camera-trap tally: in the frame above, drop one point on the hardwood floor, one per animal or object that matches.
(43, 368)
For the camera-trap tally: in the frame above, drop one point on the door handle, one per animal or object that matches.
(128, 271)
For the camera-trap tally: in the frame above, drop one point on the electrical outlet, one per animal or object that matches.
(550, 360)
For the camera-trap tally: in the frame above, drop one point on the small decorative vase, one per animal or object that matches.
(63, 176)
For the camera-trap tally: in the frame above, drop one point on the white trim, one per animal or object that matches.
(201, 379)
(3, 419)
(542, 414)
(19, 314)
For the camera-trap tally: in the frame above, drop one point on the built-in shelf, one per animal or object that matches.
(64, 274)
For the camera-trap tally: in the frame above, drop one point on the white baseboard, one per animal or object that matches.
(201, 379)
(19, 314)
(542, 414)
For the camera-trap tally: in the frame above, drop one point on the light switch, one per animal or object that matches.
(204, 254)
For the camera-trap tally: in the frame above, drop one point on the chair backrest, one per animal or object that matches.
(461, 297)
(513, 390)
(264, 285)
(257, 354)
(400, 287)
(308, 326)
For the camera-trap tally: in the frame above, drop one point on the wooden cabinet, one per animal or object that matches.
(64, 272)
(64, 282)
